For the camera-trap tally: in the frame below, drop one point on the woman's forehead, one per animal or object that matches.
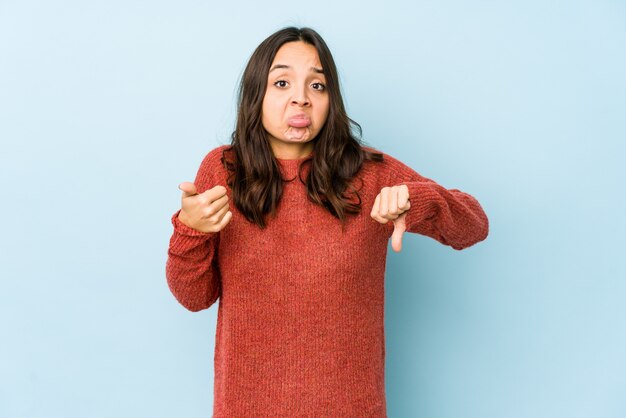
(297, 54)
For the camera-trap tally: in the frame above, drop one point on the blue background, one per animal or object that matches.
(106, 106)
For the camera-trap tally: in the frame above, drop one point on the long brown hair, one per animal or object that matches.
(255, 177)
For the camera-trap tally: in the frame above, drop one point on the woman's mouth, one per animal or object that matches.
(299, 121)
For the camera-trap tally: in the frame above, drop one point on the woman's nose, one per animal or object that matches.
(300, 97)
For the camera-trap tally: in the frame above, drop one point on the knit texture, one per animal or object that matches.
(300, 327)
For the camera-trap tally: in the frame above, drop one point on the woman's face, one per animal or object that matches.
(295, 105)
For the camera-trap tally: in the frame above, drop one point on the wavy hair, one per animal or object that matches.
(254, 174)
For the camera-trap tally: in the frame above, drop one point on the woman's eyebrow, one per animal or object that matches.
(283, 66)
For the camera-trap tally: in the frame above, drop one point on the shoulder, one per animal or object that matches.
(214, 157)
(390, 169)
(388, 162)
(212, 170)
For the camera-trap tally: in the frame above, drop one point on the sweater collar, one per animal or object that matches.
(289, 168)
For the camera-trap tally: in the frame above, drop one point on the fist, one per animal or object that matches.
(204, 212)
(391, 204)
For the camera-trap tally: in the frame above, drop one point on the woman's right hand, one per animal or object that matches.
(204, 212)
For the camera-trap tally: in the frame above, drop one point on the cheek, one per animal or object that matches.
(323, 111)
(266, 113)
(270, 108)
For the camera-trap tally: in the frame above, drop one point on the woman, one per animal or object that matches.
(298, 259)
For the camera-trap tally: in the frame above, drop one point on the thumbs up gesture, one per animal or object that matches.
(391, 204)
(204, 212)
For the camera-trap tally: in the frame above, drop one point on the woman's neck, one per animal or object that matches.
(294, 151)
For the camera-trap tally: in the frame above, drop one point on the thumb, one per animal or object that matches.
(188, 189)
(399, 226)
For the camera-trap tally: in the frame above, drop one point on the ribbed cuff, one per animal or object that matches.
(182, 229)
(424, 203)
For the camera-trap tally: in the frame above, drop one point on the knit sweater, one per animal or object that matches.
(300, 326)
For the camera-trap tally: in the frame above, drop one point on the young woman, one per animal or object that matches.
(288, 226)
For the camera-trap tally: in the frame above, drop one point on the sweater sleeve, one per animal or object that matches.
(450, 216)
(192, 272)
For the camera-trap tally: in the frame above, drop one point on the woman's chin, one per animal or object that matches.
(297, 140)
(298, 134)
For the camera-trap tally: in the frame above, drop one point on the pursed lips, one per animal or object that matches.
(300, 120)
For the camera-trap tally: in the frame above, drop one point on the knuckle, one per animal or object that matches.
(202, 199)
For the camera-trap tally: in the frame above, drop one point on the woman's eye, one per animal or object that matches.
(281, 83)
(318, 86)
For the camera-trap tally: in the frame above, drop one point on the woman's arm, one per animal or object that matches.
(191, 269)
(450, 216)
(192, 272)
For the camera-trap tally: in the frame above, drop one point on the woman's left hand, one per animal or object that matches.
(392, 203)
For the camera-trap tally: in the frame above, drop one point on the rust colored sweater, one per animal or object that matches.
(300, 318)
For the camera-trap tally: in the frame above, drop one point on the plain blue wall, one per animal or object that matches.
(105, 106)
